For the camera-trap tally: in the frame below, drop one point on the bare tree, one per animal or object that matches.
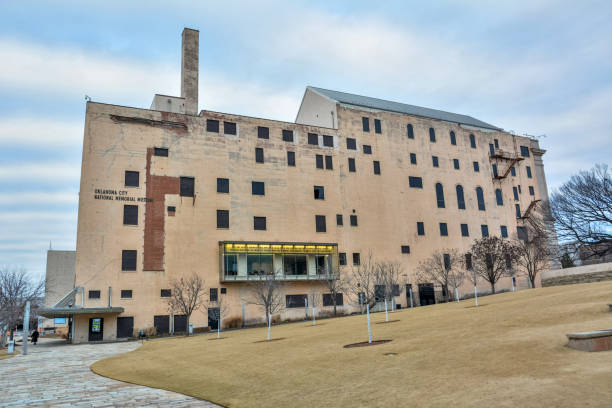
(582, 210)
(361, 282)
(222, 309)
(187, 295)
(334, 286)
(444, 267)
(492, 258)
(16, 288)
(267, 293)
(387, 277)
(533, 250)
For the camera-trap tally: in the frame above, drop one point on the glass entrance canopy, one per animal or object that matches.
(291, 261)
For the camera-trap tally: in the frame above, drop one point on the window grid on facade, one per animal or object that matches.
(413, 158)
(528, 169)
(531, 190)
(128, 260)
(319, 193)
(126, 293)
(339, 220)
(440, 195)
(259, 223)
(524, 151)
(263, 132)
(415, 182)
(258, 188)
(356, 258)
(313, 139)
(351, 164)
(329, 164)
(319, 161)
(320, 223)
(432, 135)
(160, 151)
(132, 178)
(130, 215)
(420, 228)
(212, 125)
(377, 126)
(517, 209)
(513, 172)
(480, 199)
(291, 159)
(367, 149)
(405, 249)
(443, 229)
(472, 141)
(213, 295)
(94, 294)
(165, 292)
(222, 185)
(465, 231)
(453, 139)
(353, 220)
(476, 167)
(351, 143)
(460, 197)
(434, 161)
(499, 198)
(328, 141)
(229, 128)
(287, 135)
(456, 164)
(342, 258)
(376, 167)
(504, 231)
(365, 122)
(410, 131)
(223, 219)
(259, 155)
(187, 186)
(484, 229)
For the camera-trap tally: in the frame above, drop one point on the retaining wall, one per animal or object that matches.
(578, 274)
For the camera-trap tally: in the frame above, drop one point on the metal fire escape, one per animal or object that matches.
(510, 158)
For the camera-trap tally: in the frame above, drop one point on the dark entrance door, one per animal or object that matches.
(125, 327)
(213, 318)
(426, 294)
(96, 329)
(162, 324)
(180, 323)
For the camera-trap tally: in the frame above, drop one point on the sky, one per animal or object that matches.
(542, 68)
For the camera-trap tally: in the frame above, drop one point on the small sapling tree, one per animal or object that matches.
(492, 258)
(187, 295)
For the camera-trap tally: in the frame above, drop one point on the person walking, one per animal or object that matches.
(34, 337)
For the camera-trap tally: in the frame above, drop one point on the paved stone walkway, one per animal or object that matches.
(55, 374)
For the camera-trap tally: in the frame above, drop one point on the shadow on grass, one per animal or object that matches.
(366, 344)
(390, 321)
(267, 341)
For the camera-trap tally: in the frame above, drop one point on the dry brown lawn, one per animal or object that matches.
(509, 352)
(4, 354)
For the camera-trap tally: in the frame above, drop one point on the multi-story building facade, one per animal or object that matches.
(170, 191)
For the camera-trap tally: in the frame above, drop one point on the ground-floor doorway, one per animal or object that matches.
(96, 329)
(162, 324)
(427, 295)
(213, 318)
(125, 327)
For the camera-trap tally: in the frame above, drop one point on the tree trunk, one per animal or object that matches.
(187, 317)
(532, 279)
(493, 287)
(334, 309)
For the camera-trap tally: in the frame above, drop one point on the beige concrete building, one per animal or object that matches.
(170, 191)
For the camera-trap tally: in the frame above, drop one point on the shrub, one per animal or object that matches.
(233, 323)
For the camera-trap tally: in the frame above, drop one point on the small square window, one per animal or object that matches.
(524, 151)
(476, 167)
(443, 229)
(130, 215)
(263, 132)
(405, 249)
(128, 260)
(339, 220)
(223, 291)
(319, 192)
(229, 128)
(376, 167)
(320, 223)
(367, 149)
(291, 159)
(171, 209)
(258, 188)
(504, 231)
(222, 185)
(531, 190)
(415, 182)
(212, 125)
(484, 229)
(329, 164)
(420, 228)
(434, 161)
(356, 258)
(377, 126)
(465, 232)
(353, 220)
(342, 258)
(313, 139)
(259, 223)
(94, 294)
(187, 186)
(160, 151)
(365, 122)
(413, 159)
(456, 164)
(351, 143)
(287, 135)
(328, 141)
(319, 161)
(126, 294)
(166, 293)
(223, 219)
(132, 178)
(351, 164)
(259, 155)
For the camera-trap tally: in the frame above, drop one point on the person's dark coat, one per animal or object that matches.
(34, 336)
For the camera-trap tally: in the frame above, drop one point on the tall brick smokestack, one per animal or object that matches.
(189, 70)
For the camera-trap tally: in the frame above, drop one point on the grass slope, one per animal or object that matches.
(508, 352)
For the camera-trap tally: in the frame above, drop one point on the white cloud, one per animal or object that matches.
(36, 131)
(40, 197)
(57, 172)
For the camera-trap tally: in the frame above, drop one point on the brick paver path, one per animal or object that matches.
(56, 374)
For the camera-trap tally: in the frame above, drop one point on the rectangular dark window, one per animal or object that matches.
(339, 220)
(259, 223)
(229, 128)
(351, 143)
(376, 167)
(319, 161)
(287, 135)
(126, 294)
(508, 262)
(128, 260)
(522, 234)
(223, 291)
(353, 220)
(259, 155)
(132, 178)
(434, 161)
(377, 126)
(365, 122)
(465, 232)
(519, 189)
(491, 149)
(453, 139)
(320, 223)
(171, 209)
(456, 164)
(160, 151)
(415, 182)
(258, 188)
(313, 139)
(517, 208)
(420, 228)
(513, 172)
(410, 131)
(443, 229)
(165, 293)
(405, 249)
(328, 141)
(485, 230)
(319, 193)
(94, 294)
(524, 151)
(367, 149)
(223, 219)
(413, 159)
(328, 299)
(447, 261)
(468, 262)
(291, 159)
(515, 193)
(222, 185)
(531, 190)
(356, 258)
(528, 171)
(130, 215)
(294, 301)
(263, 132)
(342, 258)
(329, 164)
(496, 142)
(476, 167)
(214, 295)
(351, 164)
(187, 186)
(212, 125)
(504, 231)
(432, 135)
(494, 168)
